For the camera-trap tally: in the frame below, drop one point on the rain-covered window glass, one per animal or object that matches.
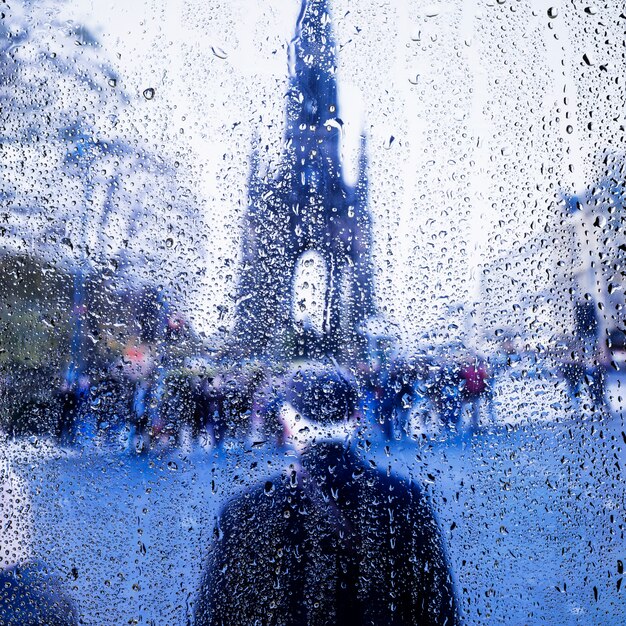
(312, 312)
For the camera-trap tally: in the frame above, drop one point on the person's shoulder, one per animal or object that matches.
(391, 496)
(391, 485)
(257, 500)
(401, 488)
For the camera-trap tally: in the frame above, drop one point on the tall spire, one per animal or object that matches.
(313, 123)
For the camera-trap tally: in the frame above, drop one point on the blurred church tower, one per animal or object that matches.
(307, 209)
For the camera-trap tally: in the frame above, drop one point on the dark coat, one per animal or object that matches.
(338, 543)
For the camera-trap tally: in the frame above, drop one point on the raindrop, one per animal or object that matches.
(218, 52)
(588, 59)
(600, 221)
(148, 93)
(389, 142)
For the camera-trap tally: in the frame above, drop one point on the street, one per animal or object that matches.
(533, 517)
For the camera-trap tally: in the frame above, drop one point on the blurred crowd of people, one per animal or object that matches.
(148, 401)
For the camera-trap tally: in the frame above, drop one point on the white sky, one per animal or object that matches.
(478, 96)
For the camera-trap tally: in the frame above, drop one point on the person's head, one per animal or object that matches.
(324, 398)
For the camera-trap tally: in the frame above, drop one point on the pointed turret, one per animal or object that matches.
(364, 300)
(313, 123)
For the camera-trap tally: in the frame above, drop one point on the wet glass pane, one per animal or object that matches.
(312, 312)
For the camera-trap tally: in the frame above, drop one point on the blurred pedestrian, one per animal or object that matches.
(587, 329)
(269, 402)
(573, 372)
(398, 397)
(137, 365)
(110, 403)
(474, 386)
(445, 390)
(213, 400)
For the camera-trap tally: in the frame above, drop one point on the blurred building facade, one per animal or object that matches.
(566, 283)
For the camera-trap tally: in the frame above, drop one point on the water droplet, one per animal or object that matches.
(148, 93)
(552, 12)
(219, 53)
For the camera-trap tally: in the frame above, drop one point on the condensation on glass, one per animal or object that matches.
(312, 312)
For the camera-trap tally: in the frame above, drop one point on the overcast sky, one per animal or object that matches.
(493, 108)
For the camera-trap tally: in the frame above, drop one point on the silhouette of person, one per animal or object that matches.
(30, 595)
(330, 541)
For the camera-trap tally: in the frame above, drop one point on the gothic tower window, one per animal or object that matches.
(309, 291)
